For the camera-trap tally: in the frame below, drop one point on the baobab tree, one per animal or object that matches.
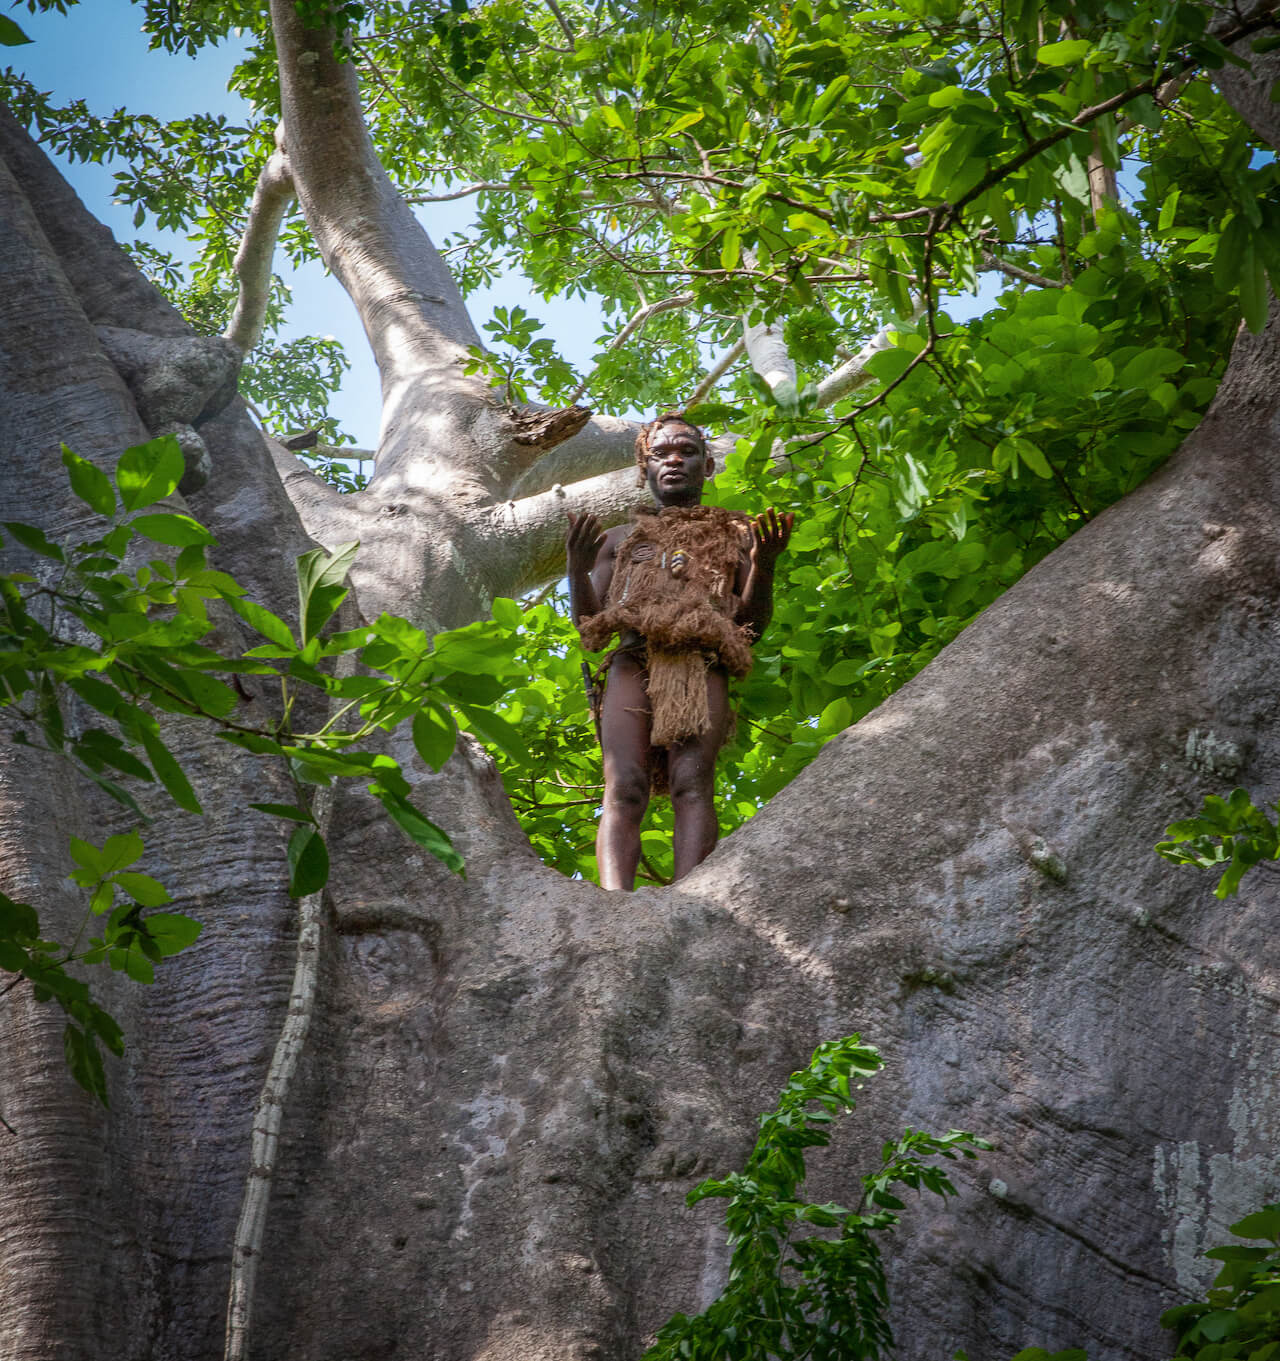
(511, 1078)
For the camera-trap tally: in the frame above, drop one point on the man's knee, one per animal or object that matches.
(626, 788)
(692, 784)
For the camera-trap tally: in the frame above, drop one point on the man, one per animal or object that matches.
(687, 588)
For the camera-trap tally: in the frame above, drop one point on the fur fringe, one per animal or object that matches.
(677, 696)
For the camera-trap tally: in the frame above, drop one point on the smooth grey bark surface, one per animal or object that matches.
(513, 1079)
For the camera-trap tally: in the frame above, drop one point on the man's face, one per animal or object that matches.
(676, 466)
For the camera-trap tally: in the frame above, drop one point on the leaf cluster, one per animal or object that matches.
(96, 645)
(806, 1279)
(1231, 834)
(1239, 1318)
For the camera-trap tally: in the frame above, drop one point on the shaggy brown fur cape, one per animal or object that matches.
(673, 583)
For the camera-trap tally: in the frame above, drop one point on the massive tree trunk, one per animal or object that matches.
(513, 1079)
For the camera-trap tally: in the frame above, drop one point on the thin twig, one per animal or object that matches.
(718, 371)
(990, 261)
(251, 1227)
(565, 27)
(632, 326)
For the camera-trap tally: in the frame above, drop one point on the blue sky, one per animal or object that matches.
(98, 53)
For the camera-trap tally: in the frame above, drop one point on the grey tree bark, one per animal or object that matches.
(512, 1080)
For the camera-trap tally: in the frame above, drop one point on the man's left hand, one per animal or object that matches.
(770, 534)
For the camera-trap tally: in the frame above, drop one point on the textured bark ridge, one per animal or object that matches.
(513, 1079)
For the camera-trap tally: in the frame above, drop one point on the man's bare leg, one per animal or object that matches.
(692, 769)
(625, 724)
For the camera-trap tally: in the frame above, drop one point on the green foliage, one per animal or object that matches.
(95, 643)
(830, 168)
(805, 1279)
(1231, 834)
(1239, 1319)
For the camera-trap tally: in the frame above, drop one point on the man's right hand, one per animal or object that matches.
(583, 542)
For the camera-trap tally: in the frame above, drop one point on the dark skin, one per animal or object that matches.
(675, 471)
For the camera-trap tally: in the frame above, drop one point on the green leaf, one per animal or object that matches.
(434, 734)
(18, 921)
(497, 730)
(1064, 53)
(284, 810)
(308, 862)
(269, 625)
(320, 586)
(418, 828)
(143, 889)
(169, 772)
(31, 537)
(84, 1061)
(90, 484)
(1009, 452)
(149, 472)
(10, 34)
(1253, 288)
(178, 531)
(1264, 1223)
(686, 120)
(171, 932)
(257, 743)
(1148, 368)
(115, 853)
(730, 248)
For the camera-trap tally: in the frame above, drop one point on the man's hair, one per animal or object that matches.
(647, 432)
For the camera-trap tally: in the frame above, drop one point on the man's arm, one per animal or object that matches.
(590, 557)
(770, 534)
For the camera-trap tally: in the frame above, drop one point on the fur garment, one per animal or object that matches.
(673, 584)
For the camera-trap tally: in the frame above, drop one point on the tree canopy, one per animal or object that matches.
(805, 191)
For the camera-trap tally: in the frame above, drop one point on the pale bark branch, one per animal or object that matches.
(717, 371)
(533, 528)
(770, 357)
(265, 1146)
(602, 445)
(271, 199)
(412, 311)
(852, 374)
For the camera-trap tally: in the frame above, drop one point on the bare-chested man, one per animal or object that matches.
(687, 589)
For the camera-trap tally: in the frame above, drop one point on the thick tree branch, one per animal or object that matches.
(770, 357)
(410, 306)
(604, 444)
(271, 200)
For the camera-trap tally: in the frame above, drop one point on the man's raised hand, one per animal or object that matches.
(770, 534)
(582, 542)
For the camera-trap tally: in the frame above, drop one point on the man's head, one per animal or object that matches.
(673, 461)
